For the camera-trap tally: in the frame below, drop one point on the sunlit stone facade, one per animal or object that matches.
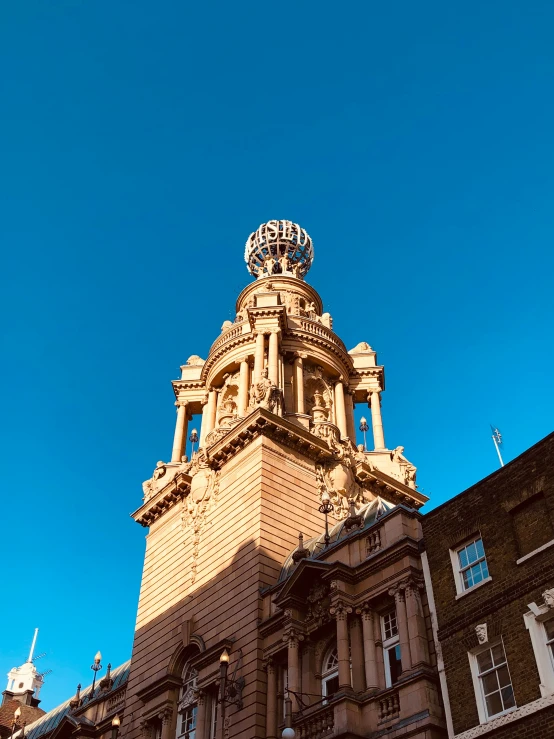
(325, 635)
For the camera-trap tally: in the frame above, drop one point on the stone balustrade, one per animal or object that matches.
(228, 335)
(316, 725)
(318, 329)
(389, 707)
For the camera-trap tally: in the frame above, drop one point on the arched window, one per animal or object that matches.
(330, 673)
(188, 704)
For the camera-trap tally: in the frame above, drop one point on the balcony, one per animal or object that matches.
(315, 724)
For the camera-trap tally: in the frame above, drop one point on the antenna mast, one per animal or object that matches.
(30, 659)
(497, 439)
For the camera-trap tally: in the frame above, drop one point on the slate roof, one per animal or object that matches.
(47, 723)
(371, 512)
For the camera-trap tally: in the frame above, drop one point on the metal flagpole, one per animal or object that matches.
(497, 438)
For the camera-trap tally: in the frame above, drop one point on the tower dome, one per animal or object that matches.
(279, 247)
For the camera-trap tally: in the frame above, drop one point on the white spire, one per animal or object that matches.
(30, 658)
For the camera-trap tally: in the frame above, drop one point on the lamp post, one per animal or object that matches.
(223, 668)
(326, 507)
(95, 667)
(116, 722)
(288, 731)
(193, 438)
(364, 427)
(16, 717)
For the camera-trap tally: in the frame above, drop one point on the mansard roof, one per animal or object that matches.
(50, 721)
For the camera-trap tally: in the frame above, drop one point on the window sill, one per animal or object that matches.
(535, 551)
(499, 715)
(474, 587)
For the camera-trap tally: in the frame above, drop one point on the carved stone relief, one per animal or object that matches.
(199, 502)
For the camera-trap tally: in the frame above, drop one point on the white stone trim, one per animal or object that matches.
(438, 647)
(535, 551)
(534, 624)
(474, 587)
(477, 684)
(513, 715)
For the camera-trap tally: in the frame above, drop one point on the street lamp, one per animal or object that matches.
(364, 427)
(193, 438)
(288, 731)
(95, 667)
(116, 721)
(223, 669)
(326, 507)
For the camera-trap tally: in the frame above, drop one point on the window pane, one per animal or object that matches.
(484, 660)
(463, 557)
(484, 568)
(490, 683)
(494, 704)
(332, 685)
(395, 663)
(503, 676)
(508, 697)
(498, 654)
(467, 578)
(549, 628)
(479, 547)
(476, 572)
(471, 553)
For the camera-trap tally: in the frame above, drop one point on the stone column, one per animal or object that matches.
(204, 425)
(376, 420)
(271, 704)
(370, 651)
(208, 416)
(180, 438)
(293, 639)
(379, 656)
(419, 646)
(340, 610)
(244, 386)
(340, 411)
(273, 357)
(259, 356)
(299, 383)
(350, 416)
(201, 715)
(357, 651)
(402, 621)
(167, 723)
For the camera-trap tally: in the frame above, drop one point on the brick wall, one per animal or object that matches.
(488, 509)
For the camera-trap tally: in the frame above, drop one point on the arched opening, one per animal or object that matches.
(188, 704)
(330, 673)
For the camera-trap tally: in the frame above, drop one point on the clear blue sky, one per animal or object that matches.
(142, 142)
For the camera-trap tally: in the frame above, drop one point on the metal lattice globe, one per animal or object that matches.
(279, 247)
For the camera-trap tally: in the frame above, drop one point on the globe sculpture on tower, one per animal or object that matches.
(279, 247)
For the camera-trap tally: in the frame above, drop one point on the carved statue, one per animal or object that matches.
(295, 269)
(264, 393)
(226, 325)
(159, 471)
(311, 310)
(269, 264)
(284, 263)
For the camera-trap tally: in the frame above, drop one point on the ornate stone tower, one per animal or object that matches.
(277, 394)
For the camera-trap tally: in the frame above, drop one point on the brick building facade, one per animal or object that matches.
(489, 560)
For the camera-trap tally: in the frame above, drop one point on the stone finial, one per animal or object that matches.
(301, 552)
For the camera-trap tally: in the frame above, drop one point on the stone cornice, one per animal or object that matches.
(156, 688)
(383, 485)
(223, 348)
(212, 655)
(325, 343)
(163, 500)
(275, 427)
